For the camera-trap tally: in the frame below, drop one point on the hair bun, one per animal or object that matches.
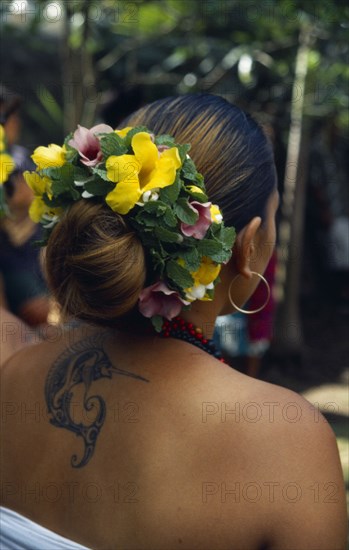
(95, 264)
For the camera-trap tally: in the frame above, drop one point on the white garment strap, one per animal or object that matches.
(20, 533)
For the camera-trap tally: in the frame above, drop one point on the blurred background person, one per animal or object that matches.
(22, 287)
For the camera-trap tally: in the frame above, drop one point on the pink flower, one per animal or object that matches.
(199, 228)
(87, 143)
(158, 299)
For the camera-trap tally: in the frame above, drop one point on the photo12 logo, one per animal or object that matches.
(268, 411)
(235, 492)
(25, 11)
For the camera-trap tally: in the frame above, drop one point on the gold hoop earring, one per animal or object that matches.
(247, 312)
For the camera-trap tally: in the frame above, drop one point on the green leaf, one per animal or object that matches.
(157, 321)
(147, 214)
(157, 259)
(157, 208)
(206, 247)
(64, 187)
(215, 229)
(170, 193)
(212, 248)
(185, 213)
(112, 144)
(60, 186)
(98, 187)
(101, 173)
(189, 171)
(68, 138)
(80, 174)
(223, 257)
(226, 235)
(183, 150)
(200, 197)
(169, 218)
(165, 140)
(146, 219)
(199, 181)
(74, 193)
(179, 275)
(210, 293)
(191, 258)
(71, 155)
(61, 173)
(168, 236)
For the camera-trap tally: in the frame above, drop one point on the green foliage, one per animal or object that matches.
(147, 43)
(101, 173)
(192, 258)
(218, 248)
(170, 194)
(185, 213)
(200, 197)
(112, 144)
(165, 140)
(167, 236)
(98, 187)
(157, 322)
(179, 275)
(189, 170)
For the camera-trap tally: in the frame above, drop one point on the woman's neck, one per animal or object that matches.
(203, 315)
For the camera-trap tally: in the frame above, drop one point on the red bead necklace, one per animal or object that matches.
(182, 330)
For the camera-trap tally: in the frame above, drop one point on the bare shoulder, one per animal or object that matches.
(15, 334)
(280, 454)
(278, 421)
(40, 347)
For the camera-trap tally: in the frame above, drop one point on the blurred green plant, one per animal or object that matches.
(243, 50)
(81, 60)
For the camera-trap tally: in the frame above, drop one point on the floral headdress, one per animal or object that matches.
(153, 183)
(7, 166)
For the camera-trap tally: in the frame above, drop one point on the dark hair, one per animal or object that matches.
(95, 264)
(227, 145)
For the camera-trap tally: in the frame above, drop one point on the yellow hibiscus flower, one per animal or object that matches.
(7, 165)
(207, 272)
(39, 185)
(134, 174)
(203, 280)
(52, 156)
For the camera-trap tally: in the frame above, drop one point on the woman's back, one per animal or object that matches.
(106, 443)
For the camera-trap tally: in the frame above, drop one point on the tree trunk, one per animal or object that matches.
(79, 80)
(288, 332)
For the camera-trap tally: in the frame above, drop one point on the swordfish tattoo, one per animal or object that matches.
(76, 369)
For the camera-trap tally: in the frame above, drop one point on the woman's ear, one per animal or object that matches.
(244, 247)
